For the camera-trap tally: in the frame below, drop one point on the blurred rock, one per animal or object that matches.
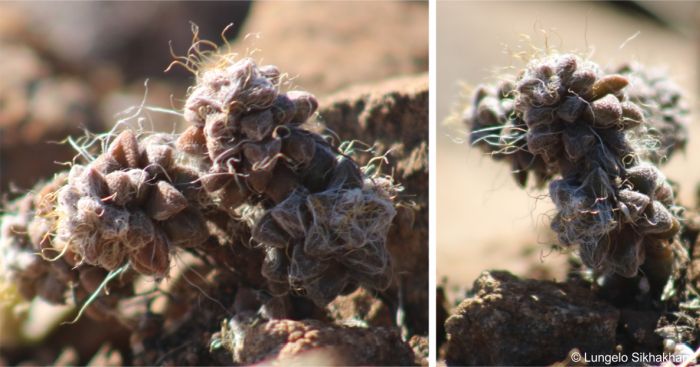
(637, 330)
(690, 235)
(134, 37)
(360, 307)
(511, 321)
(389, 110)
(286, 341)
(421, 349)
(40, 104)
(107, 356)
(67, 343)
(441, 315)
(331, 45)
(68, 357)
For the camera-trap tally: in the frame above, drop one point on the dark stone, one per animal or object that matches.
(510, 321)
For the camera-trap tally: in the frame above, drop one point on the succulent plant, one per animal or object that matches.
(22, 239)
(585, 127)
(499, 131)
(324, 223)
(133, 203)
(666, 112)
(30, 261)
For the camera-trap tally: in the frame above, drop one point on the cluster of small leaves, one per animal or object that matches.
(666, 112)
(615, 225)
(582, 124)
(336, 239)
(29, 260)
(499, 131)
(132, 203)
(324, 224)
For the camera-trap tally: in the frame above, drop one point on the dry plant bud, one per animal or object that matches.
(152, 258)
(661, 104)
(24, 235)
(584, 124)
(30, 256)
(125, 150)
(186, 229)
(336, 239)
(192, 141)
(165, 201)
(136, 211)
(324, 225)
(500, 132)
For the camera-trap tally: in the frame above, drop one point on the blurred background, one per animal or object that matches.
(484, 221)
(71, 66)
